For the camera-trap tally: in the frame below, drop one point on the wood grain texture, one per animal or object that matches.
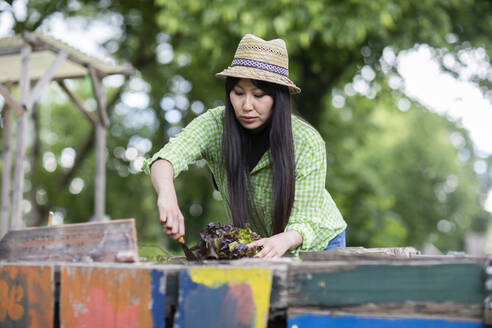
(112, 296)
(223, 297)
(81, 242)
(220, 298)
(346, 284)
(26, 296)
(358, 253)
(278, 295)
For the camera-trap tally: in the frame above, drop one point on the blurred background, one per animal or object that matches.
(399, 90)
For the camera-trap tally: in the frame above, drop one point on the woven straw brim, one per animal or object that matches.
(258, 74)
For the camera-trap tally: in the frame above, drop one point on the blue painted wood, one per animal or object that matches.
(350, 321)
(158, 294)
(203, 306)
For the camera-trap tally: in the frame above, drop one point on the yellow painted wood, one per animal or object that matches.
(259, 279)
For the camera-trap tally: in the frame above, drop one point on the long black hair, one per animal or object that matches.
(234, 143)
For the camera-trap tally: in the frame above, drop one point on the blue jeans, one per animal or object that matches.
(337, 242)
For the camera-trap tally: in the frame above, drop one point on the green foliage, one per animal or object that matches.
(151, 253)
(405, 179)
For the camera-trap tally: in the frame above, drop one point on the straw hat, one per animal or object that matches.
(262, 60)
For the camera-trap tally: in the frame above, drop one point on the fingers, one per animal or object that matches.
(181, 230)
(172, 224)
(256, 243)
(269, 250)
(267, 253)
(170, 216)
(178, 229)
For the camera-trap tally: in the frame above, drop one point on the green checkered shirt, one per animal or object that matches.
(314, 213)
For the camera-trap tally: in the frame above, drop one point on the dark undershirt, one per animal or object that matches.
(257, 146)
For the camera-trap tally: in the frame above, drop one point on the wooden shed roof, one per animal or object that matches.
(44, 52)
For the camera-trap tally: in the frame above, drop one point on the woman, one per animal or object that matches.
(269, 165)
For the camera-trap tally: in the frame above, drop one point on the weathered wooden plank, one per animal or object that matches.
(86, 242)
(26, 296)
(346, 283)
(447, 310)
(278, 295)
(10, 50)
(298, 318)
(39, 45)
(112, 296)
(223, 297)
(357, 253)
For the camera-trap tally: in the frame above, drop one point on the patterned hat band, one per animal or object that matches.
(260, 65)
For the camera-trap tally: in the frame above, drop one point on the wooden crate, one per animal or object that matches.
(372, 293)
(79, 242)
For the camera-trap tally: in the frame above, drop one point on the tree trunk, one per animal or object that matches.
(6, 172)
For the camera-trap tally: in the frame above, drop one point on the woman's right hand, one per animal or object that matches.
(170, 216)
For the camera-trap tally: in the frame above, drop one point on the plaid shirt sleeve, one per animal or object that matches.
(191, 144)
(314, 214)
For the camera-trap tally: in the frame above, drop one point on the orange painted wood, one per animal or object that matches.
(26, 296)
(111, 296)
(94, 241)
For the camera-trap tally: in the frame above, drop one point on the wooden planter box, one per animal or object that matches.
(350, 292)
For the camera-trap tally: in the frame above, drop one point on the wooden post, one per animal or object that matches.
(46, 78)
(98, 90)
(5, 92)
(7, 165)
(100, 192)
(24, 85)
(10, 104)
(101, 133)
(91, 117)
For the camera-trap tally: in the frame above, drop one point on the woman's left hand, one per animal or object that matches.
(277, 245)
